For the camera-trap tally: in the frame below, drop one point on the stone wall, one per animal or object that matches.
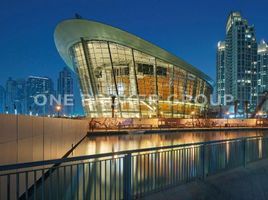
(30, 138)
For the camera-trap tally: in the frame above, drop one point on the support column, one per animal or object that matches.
(136, 81)
(184, 89)
(172, 91)
(91, 75)
(156, 88)
(114, 77)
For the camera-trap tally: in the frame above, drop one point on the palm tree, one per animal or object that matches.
(220, 111)
(236, 107)
(246, 104)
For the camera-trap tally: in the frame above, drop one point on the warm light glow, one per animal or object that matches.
(58, 107)
(259, 113)
(192, 113)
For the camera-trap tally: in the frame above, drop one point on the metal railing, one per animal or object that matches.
(127, 174)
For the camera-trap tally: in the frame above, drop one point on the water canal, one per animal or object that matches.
(105, 144)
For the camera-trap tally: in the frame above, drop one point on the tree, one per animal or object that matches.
(235, 107)
(246, 104)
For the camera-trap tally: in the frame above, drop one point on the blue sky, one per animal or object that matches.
(189, 29)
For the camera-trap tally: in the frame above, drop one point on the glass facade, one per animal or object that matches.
(240, 62)
(144, 85)
(220, 70)
(262, 75)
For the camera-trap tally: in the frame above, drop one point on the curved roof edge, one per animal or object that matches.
(70, 31)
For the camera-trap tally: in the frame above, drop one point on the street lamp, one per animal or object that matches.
(192, 113)
(113, 105)
(227, 113)
(58, 109)
(259, 114)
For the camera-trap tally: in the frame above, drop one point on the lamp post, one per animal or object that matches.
(192, 113)
(30, 110)
(259, 114)
(113, 105)
(58, 109)
(15, 109)
(6, 108)
(227, 123)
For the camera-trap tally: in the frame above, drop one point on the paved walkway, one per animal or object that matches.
(250, 183)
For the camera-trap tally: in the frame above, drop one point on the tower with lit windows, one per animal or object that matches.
(262, 70)
(240, 63)
(220, 70)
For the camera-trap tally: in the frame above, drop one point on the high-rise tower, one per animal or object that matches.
(220, 70)
(240, 63)
(262, 69)
(37, 86)
(65, 90)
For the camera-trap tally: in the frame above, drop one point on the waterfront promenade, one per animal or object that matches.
(250, 183)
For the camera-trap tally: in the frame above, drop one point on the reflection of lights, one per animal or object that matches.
(227, 150)
(260, 113)
(260, 147)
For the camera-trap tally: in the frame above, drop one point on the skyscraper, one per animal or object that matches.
(2, 99)
(240, 63)
(220, 72)
(37, 86)
(65, 90)
(262, 69)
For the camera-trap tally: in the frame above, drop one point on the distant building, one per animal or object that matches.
(65, 90)
(20, 100)
(11, 96)
(2, 99)
(220, 70)
(39, 88)
(262, 69)
(240, 62)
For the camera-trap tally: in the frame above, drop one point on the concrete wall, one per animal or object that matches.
(28, 138)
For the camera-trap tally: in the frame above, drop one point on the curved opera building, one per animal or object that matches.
(141, 79)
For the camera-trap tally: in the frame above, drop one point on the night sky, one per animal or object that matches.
(189, 29)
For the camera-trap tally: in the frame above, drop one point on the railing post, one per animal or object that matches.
(244, 152)
(203, 158)
(127, 176)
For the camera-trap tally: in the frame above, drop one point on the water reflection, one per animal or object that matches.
(104, 144)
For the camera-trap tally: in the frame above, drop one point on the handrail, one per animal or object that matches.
(111, 154)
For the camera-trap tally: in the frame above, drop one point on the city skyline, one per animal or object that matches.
(17, 95)
(41, 57)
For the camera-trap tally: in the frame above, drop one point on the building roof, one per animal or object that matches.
(69, 32)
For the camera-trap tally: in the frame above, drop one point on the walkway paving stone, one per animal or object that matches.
(250, 183)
